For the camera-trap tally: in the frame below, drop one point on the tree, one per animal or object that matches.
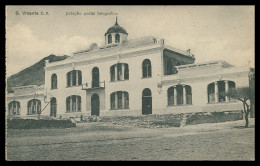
(243, 94)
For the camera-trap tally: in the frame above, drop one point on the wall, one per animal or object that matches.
(23, 99)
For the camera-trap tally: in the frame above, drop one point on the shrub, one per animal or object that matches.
(36, 124)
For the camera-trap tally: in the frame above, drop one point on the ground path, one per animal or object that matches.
(102, 141)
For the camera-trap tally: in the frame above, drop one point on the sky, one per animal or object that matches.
(211, 32)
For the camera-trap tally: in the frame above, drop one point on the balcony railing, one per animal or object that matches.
(93, 85)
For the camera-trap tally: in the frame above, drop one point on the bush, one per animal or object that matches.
(36, 124)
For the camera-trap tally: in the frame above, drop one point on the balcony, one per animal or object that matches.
(93, 85)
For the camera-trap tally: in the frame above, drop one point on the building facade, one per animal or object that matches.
(129, 78)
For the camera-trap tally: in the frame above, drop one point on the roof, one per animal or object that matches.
(135, 43)
(116, 29)
(138, 42)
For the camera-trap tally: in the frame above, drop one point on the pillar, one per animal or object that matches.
(226, 90)
(71, 81)
(116, 72)
(36, 106)
(76, 104)
(175, 95)
(77, 77)
(123, 71)
(17, 109)
(184, 94)
(116, 100)
(123, 100)
(216, 91)
(31, 107)
(70, 104)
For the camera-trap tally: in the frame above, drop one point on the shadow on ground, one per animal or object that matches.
(243, 127)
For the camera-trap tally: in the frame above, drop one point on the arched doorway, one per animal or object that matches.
(95, 77)
(53, 107)
(95, 104)
(146, 101)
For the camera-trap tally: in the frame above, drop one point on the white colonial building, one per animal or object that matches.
(129, 77)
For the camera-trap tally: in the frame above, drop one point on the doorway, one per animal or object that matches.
(53, 107)
(95, 105)
(146, 102)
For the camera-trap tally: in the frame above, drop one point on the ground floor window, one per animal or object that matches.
(14, 108)
(73, 103)
(217, 91)
(34, 107)
(179, 95)
(119, 100)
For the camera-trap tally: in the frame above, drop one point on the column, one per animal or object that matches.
(216, 91)
(71, 73)
(36, 107)
(116, 100)
(70, 104)
(184, 94)
(116, 72)
(123, 100)
(123, 71)
(175, 95)
(76, 102)
(31, 107)
(77, 78)
(17, 109)
(226, 90)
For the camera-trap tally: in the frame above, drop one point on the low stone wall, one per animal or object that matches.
(154, 120)
(213, 117)
(36, 124)
(173, 120)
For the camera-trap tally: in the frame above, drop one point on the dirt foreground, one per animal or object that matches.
(104, 141)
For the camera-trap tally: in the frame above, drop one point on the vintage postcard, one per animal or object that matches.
(130, 83)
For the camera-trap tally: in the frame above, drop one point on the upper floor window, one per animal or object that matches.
(117, 40)
(217, 91)
(109, 39)
(119, 100)
(14, 108)
(74, 78)
(147, 69)
(95, 77)
(119, 71)
(34, 107)
(73, 103)
(53, 81)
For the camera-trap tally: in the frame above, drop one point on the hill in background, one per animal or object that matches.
(33, 75)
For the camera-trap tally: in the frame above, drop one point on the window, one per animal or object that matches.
(34, 107)
(53, 81)
(95, 77)
(119, 71)
(147, 68)
(14, 108)
(183, 95)
(217, 91)
(74, 78)
(170, 96)
(117, 38)
(73, 103)
(109, 39)
(112, 73)
(119, 100)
